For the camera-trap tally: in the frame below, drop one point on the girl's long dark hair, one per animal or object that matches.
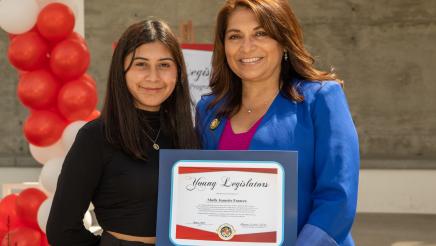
(122, 125)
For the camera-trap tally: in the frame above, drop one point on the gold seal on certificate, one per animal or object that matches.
(226, 232)
(239, 202)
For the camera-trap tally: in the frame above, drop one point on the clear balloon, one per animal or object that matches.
(18, 17)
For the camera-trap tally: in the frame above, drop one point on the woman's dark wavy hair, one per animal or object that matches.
(279, 21)
(123, 127)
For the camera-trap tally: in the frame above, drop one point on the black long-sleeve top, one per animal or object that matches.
(122, 189)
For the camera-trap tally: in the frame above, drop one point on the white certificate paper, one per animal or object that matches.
(227, 203)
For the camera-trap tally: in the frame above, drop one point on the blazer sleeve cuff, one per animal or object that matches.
(312, 235)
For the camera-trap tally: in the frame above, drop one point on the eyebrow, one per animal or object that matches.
(237, 30)
(161, 59)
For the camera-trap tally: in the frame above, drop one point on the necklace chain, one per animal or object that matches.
(251, 109)
(247, 109)
(155, 145)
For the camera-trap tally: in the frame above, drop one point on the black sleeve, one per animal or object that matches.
(76, 186)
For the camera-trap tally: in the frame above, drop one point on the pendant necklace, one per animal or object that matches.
(155, 145)
(249, 109)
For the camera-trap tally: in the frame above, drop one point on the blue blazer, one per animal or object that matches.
(322, 131)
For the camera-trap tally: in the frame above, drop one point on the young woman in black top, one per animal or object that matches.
(113, 162)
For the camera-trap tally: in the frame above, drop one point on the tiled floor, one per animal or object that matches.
(395, 230)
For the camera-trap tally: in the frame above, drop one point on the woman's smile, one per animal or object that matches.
(253, 60)
(149, 90)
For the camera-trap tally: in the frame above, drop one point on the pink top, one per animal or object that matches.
(236, 141)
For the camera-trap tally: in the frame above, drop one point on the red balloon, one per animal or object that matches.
(21, 73)
(77, 37)
(43, 128)
(11, 36)
(28, 202)
(2, 234)
(9, 218)
(28, 51)
(55, 21)
(94, 115)
(69, 59)
(44, 240)
(89, 79)
(22, 236)
(77, 99)
(38, 89)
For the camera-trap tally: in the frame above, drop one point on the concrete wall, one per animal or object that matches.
(397, 191)
(384, 50)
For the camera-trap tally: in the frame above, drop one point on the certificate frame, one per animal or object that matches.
(287, 160)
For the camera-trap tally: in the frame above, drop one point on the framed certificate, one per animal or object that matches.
(227, 198)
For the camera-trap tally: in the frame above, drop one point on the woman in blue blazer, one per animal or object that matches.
(267, 95)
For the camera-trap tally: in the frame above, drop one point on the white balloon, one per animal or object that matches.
(18, 16)
(70, 133)
(43, 154)
(87, 220)
(50, 174)
(43, 212)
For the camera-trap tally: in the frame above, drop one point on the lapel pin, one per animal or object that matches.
(214, 124)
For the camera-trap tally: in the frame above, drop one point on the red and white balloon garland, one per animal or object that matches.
(52, 61)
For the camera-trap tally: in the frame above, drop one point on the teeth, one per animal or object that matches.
(146, 88)
(250, 60)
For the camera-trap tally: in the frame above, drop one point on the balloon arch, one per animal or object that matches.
(51, 60)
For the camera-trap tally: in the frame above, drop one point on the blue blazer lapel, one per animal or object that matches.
(211, 135)
(279, 119)
(215, 135)
(275, 125)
